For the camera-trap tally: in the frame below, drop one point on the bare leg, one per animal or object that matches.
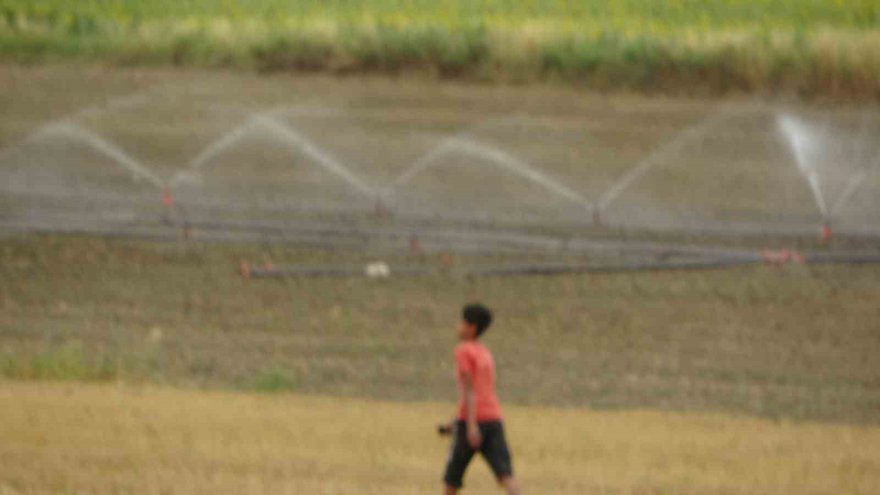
(510, 485)
(451, 490)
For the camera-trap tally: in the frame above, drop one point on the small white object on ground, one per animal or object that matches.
(378, 269)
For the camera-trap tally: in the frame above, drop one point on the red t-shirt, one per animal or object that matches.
(473, 359)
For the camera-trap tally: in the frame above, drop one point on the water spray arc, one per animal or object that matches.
(853, 186)
(112, 104)
(210, 151)
(802, 148)
(284, 136)
(493, 156)
(213, 178)
(68, 127)
(873, 165)
(298, 141)
(656, 157)
(806, 148)
(99, 144)
(74, 132)
(289, 138)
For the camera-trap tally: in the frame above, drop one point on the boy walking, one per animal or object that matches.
(478, 426)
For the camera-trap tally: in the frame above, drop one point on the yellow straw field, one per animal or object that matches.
(78, 438)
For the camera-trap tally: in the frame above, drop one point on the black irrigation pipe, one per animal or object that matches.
(376, 270)
(844, 258)
(549, 269)
(329, 235)
(224, 207)
(563, 269)
(483, 271)
(698, 258)
(301, 237)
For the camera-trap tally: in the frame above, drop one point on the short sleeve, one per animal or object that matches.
(465, 363)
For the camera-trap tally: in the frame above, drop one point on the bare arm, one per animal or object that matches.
(470, 403)
(470, 399)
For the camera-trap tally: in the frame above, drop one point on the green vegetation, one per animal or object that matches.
(70, 359)
(826, 47)
(275, 380)
(67, 361)
(797, 342)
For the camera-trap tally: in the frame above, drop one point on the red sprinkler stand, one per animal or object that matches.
(167, 199)
(415, 246)
(825, 234)
(597, 217)
(380, 210)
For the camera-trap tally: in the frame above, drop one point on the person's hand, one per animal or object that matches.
(445, 429)
(474, 437)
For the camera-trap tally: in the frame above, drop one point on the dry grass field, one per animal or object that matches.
(76, 438)
(797, 342)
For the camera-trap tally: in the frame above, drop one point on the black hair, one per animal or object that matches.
(477, 315)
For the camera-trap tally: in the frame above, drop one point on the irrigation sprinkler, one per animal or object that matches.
(117, 156)
(808, 150)
(483, 233)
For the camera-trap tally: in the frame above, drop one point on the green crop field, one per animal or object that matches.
(814, 47)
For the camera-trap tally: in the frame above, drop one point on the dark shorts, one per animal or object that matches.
(494, 450)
